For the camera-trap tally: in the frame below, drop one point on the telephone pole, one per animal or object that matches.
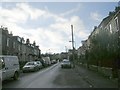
(72, 46)
(72, 37)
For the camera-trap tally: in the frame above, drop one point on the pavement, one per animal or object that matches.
(95, 79)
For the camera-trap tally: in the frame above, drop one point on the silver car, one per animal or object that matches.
(66, 64)
(39, 64)
(30, 66)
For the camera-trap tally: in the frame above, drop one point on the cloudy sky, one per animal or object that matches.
(49, 23)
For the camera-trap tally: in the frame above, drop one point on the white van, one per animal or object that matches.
(47, 60)
(9, 67)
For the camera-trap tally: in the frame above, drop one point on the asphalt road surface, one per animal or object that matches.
(51, 77)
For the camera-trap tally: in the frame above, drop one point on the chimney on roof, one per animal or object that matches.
(5, 30)
(11, 33)
(95, 27)
(34, 44)
(27, 41)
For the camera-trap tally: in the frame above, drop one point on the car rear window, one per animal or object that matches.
(66, 61)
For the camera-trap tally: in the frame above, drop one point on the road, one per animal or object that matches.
(54, 77)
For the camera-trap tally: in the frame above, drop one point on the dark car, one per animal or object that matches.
(66, 64)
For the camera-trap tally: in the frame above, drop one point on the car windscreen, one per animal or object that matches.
(30, 63)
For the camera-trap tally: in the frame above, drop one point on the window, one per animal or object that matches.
(18, 39)
(19, 47)
(13, 44)
(110, 28)
(8, 39)
(116, 23)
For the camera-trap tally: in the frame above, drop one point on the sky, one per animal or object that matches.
(49, 23)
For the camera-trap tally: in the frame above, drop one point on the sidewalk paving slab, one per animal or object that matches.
(95, 79)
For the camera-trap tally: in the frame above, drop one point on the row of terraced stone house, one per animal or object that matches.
(102, 48)
(15, 45)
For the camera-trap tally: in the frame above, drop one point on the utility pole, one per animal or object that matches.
(72, 37)
(72, 46)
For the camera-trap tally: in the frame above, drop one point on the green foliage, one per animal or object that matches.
(103, 47)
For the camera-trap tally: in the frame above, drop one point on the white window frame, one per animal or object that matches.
(116, 23)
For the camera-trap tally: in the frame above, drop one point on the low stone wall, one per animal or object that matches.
(93, 67)
(84, 65)
(103, 70)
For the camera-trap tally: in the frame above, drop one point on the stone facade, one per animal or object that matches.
(15, 45)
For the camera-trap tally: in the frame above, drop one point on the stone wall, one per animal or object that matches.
(103, 70)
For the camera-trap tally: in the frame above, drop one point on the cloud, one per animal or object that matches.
(95, 16)
(71, 11)
(14, 16)
(55, 36)
(34, 13)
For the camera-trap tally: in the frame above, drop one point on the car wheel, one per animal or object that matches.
(16, 75)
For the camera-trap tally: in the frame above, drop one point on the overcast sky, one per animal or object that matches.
(49, 23)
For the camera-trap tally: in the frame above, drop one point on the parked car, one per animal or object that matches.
(66, 64)
(30, 66)
(39, 64)
(43, 62)
(53, 61)
(9, 67)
